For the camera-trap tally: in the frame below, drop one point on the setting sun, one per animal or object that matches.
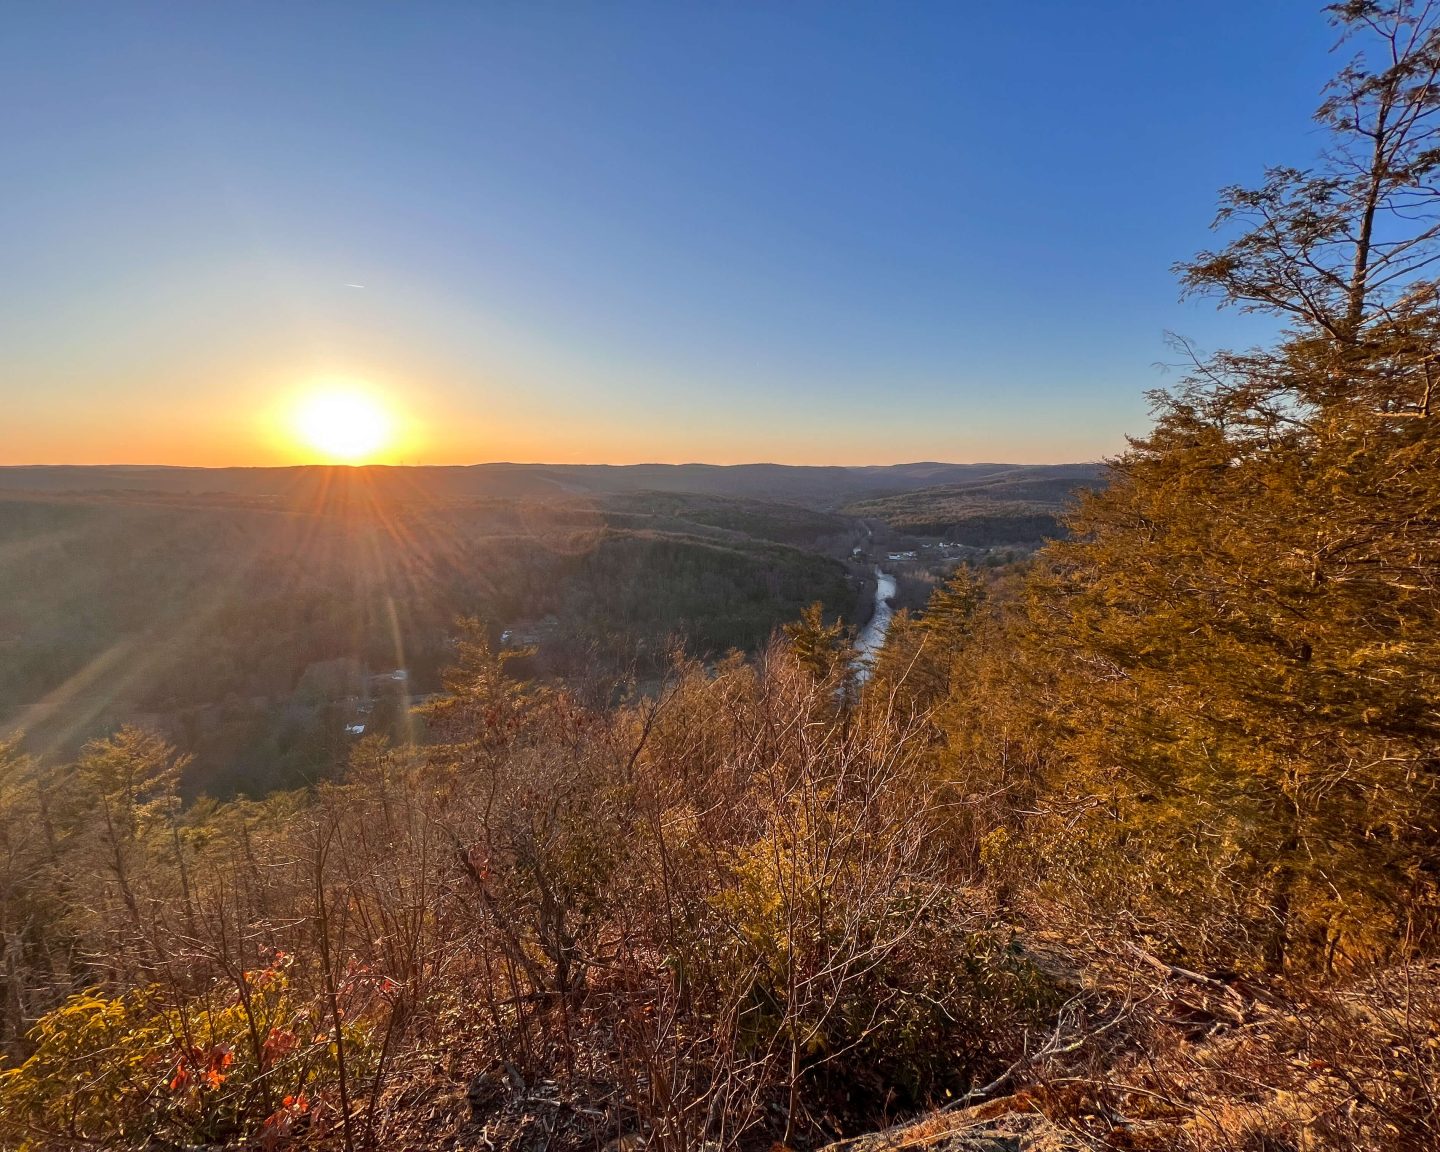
(343, 425)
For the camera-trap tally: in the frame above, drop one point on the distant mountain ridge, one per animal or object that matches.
(814, 486)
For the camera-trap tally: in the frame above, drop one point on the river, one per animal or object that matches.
(872, 636)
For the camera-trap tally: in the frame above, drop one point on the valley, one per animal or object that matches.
(128, 593)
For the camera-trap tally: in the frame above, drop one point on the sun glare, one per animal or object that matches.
(343, 425)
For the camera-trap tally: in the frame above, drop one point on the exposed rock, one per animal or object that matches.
(985, 1128)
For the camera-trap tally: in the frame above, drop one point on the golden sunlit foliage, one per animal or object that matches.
(1138, 843)
(149, 1066)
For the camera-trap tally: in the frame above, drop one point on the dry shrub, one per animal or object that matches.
(1177, 1064)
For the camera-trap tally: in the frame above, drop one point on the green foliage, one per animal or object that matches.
(826, 651)
(950, 612)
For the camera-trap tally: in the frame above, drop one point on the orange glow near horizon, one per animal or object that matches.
(264, 415)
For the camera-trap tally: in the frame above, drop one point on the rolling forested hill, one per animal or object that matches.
(228, 619)
(1017, 505)
(129, 592)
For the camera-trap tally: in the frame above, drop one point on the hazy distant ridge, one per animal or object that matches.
(816, 486)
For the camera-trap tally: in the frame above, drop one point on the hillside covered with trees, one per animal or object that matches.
(1016, 506)
(119, 607)
(1136, 846)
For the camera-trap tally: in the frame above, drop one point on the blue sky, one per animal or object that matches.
(847, 233)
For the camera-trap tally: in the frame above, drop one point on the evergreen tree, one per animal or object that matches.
(951, 608)
(824, 650)
(1251, 610)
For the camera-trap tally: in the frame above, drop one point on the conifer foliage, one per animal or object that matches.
(1254, 598)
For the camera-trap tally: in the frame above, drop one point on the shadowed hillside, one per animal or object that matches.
(227, 620)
